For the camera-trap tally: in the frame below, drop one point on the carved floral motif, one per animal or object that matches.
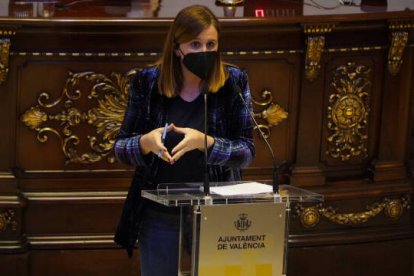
(348, 111)
(272, 113)
(109, 94)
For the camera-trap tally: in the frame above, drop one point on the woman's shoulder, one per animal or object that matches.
(236, 73)
(148, 72)
(233, 69)
(144, 77)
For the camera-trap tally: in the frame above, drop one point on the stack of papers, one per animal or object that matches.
(248, 188)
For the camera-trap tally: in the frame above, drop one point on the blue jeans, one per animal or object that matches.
(158, 242)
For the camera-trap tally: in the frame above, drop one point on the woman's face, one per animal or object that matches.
(207, 40)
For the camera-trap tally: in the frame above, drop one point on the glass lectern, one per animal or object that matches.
(240, 228)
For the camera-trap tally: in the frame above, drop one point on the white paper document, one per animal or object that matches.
(248, 188)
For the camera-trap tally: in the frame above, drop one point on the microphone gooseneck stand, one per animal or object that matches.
(275, 178)
(206, 185)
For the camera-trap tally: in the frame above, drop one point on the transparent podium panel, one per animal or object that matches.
(240, 228)
(192, 194)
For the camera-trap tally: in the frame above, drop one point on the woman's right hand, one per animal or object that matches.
(151, 142)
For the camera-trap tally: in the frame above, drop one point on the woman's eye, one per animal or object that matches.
(195, 44)
(211, 45)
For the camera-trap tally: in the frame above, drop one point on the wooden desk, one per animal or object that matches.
(332, 87)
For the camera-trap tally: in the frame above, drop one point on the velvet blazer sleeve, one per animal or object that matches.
(127, 146)
(235, 147)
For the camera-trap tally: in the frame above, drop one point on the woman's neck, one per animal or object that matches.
(191, 86)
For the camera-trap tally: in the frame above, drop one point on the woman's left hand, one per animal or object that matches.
(193, 139)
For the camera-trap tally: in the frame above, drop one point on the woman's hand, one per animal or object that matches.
(151, 142)
(193, 139)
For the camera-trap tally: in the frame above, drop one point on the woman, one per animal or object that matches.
(169, 93)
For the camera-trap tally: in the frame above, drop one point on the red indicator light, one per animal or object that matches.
(259, 12)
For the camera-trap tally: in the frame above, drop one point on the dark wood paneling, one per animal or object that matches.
(71, 217)
(278, 75)
(83, 262)
(380, 258)
(14, 264)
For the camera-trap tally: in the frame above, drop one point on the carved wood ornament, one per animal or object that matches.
(7, 220)
(348, 111)
(392, 208)
(5, 34)
(315, 47)
(399, 39)
(272, 113)
(4, 58)
(110, 95)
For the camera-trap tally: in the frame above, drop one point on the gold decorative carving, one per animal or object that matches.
(224, 53)
(392, 208)
(315, 47)
(309, 217)
(272, 113)
(7, 219)
(401, 24)
(396, 51)
(351, 218)
(5, 33)
(348, 111)
(399, 38)
(318, 29)
(109, 94)
(356, 49)
(313, 56)
(4, 58)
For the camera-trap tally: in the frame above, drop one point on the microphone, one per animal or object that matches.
(206, 184)
(275, 168)
(201, 64)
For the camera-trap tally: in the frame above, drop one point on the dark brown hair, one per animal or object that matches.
(187, 25)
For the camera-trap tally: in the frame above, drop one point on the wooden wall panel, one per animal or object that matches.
(363, 111)
(278, 75)
(65, 76)
(356, 259)
(83, 262)
(76, 217)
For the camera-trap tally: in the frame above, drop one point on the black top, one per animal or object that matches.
(189, 168)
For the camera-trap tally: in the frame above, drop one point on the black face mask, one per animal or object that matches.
(200, 63)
